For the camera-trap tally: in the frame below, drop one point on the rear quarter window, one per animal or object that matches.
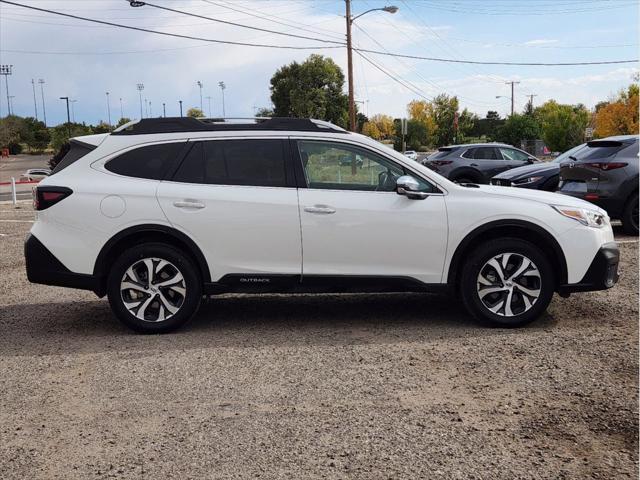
(150, 162)
(76, 151)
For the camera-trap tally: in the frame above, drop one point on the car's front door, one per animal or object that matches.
(237, 199)
(355, 224)
(515, 158)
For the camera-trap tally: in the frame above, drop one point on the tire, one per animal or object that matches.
(164, 308)
(630, 216)
(481, 273)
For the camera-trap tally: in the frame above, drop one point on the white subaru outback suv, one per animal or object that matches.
(163, 211)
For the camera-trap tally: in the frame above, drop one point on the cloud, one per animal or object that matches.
(540, 41)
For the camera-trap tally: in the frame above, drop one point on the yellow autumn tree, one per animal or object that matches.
(619, 117)
(423, 112)
(370, 129)
(384, 124)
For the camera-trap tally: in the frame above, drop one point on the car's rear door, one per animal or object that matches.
(488, 160)
(357, 226)
(236, 198)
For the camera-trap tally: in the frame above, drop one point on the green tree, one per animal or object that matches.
(311, 89)
(444, 112)
(562, 126)
(417, 135)
(264, 112)
(466, 123)
(195, 113)
(60, 133)
(35, 134)
(101, 127)
(12, 130)
(122, 121)
(517, 128)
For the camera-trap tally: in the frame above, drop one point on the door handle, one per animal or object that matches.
(189, 204)
(322, 209)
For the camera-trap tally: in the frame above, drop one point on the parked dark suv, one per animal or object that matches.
(606, 173)
(476, 162)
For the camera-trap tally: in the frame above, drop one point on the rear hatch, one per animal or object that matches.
(581, 174)
(436, 159)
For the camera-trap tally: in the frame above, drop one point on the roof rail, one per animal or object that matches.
(189, 124)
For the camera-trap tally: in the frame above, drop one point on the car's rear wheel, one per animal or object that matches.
(630, 216)
(154, 288)
(507, 282)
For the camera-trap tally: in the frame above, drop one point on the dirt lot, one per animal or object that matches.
(331, 386)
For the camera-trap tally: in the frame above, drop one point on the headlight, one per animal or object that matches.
(589, 218)
(524, 181)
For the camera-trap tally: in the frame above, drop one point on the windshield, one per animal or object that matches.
(569, 153)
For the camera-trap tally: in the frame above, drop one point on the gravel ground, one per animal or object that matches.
(330, 386)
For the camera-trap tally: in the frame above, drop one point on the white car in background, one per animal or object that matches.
(35, 174)
(163, 211)
(411, 154)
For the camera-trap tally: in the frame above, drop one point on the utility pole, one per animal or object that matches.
(68, 116)
(6, 70)
(531, 95)
(35, 102)
(350, 20)
(199, 83)
(223, 88)
(108, 110)
(164, 110)
(44, 110)
(121, 110)
(512, 97)
(180, 102)
(352, 105)
(140, 87)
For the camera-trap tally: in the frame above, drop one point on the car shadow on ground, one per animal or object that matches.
(248, 321)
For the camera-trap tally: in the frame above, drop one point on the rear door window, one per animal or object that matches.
(258, 162)
(486, 153)
(76, 151)
(151, 162)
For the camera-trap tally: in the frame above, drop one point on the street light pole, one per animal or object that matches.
(223, 87)
(121, 110)
(140, 87)
(68, 116)
(350, 20)
(164, 110)
(35, 102)
(209, 104)
(5, 71)
(180, 102)
(108, 110)
(44, 110)
(199, 83)
(73, 110)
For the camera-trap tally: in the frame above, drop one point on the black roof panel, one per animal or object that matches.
(188, 124)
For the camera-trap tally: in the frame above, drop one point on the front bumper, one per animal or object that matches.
(602, 273)
(43, 267)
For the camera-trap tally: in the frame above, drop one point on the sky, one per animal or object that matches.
(84, 60)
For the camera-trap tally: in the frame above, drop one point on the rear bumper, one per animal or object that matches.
(43, 267)
(602, 273)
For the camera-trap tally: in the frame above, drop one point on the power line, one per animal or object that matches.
(478, 62)
(275, 32)
(177, 35)
(291, 47)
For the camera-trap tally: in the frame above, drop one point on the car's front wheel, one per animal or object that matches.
(154, 288)
(507, 282)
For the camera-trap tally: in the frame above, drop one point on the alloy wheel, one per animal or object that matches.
(153, 289)
(509, 284)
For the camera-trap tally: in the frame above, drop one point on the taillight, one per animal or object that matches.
(439, 163)
(606, 165)
(44, 197)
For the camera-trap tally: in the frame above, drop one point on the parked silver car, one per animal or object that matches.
(477, 162)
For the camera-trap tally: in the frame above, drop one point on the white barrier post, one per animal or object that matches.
(13, 191)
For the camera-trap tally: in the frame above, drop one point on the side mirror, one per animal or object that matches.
(531, 160)
(410, 187)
